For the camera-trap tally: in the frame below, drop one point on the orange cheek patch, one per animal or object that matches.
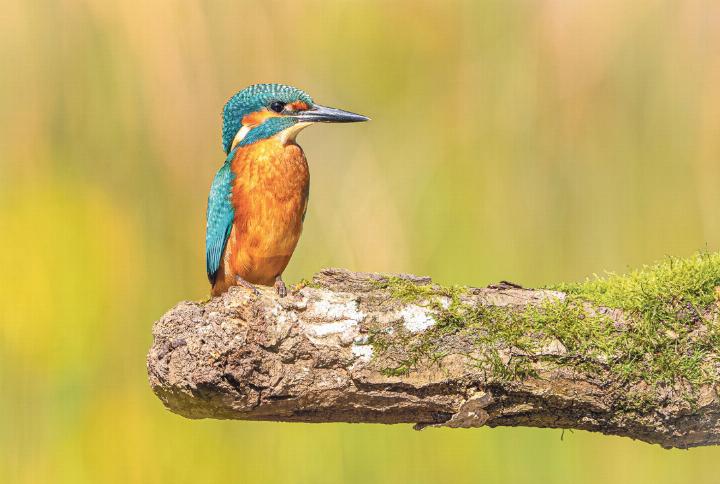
(258, 117)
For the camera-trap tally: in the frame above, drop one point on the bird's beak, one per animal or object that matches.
(324, 114)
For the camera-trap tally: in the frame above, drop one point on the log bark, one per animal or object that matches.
(348, 348)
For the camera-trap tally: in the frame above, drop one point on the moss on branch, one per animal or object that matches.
(667, 333)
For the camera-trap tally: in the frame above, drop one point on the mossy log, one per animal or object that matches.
(359, 347)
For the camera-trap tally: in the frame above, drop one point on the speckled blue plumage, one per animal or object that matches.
(252, 99)
(220, 212)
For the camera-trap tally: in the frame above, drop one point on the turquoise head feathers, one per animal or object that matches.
(264, 110)
(256, 98)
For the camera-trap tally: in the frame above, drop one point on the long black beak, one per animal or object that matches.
(324, 114)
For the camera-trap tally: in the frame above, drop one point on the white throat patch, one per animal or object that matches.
(288, 134)
(285, 136)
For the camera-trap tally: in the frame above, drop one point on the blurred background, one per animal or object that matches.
(535, 141)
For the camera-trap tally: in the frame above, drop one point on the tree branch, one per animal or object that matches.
(356, 347)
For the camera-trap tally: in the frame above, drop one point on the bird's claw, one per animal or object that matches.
(242, 282)
(280, 287)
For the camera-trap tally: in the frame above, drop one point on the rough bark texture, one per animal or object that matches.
(311, 357)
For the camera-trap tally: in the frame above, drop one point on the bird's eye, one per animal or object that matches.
(277, 106)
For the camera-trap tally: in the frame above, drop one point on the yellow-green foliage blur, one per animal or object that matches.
(535, 141)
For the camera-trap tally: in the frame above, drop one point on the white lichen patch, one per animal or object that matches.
(328, 309)
(281, 324)
(444, 302)
(340, 318)
(282, 317)
(363, 339)
(362, 352)
(416, 319)
(327, 329)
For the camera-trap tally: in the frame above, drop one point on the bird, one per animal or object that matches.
(259, 196)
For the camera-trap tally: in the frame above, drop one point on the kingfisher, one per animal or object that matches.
(259, 197)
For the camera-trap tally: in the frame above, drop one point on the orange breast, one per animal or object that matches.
(270, 194)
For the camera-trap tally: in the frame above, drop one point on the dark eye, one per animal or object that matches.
(277, 106)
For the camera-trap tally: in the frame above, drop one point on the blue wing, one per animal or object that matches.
(220, 214)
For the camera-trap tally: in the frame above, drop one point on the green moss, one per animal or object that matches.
(426, 349)
(303, 283)
(409, 291)
(692, 280)
(669, 336)
(638, 401)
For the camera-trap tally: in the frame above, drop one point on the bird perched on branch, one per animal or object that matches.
(259, 196)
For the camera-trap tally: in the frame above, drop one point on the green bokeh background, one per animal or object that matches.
(535, 141)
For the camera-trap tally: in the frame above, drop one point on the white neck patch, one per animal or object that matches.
(240, 136)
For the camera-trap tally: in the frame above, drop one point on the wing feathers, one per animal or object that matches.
(220, 214)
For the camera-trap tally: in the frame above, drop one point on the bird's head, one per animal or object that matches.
(262, 111)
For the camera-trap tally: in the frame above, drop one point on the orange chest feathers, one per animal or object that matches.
(269, 195)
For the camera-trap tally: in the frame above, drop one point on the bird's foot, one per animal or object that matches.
(242, 282)
(280, 287)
